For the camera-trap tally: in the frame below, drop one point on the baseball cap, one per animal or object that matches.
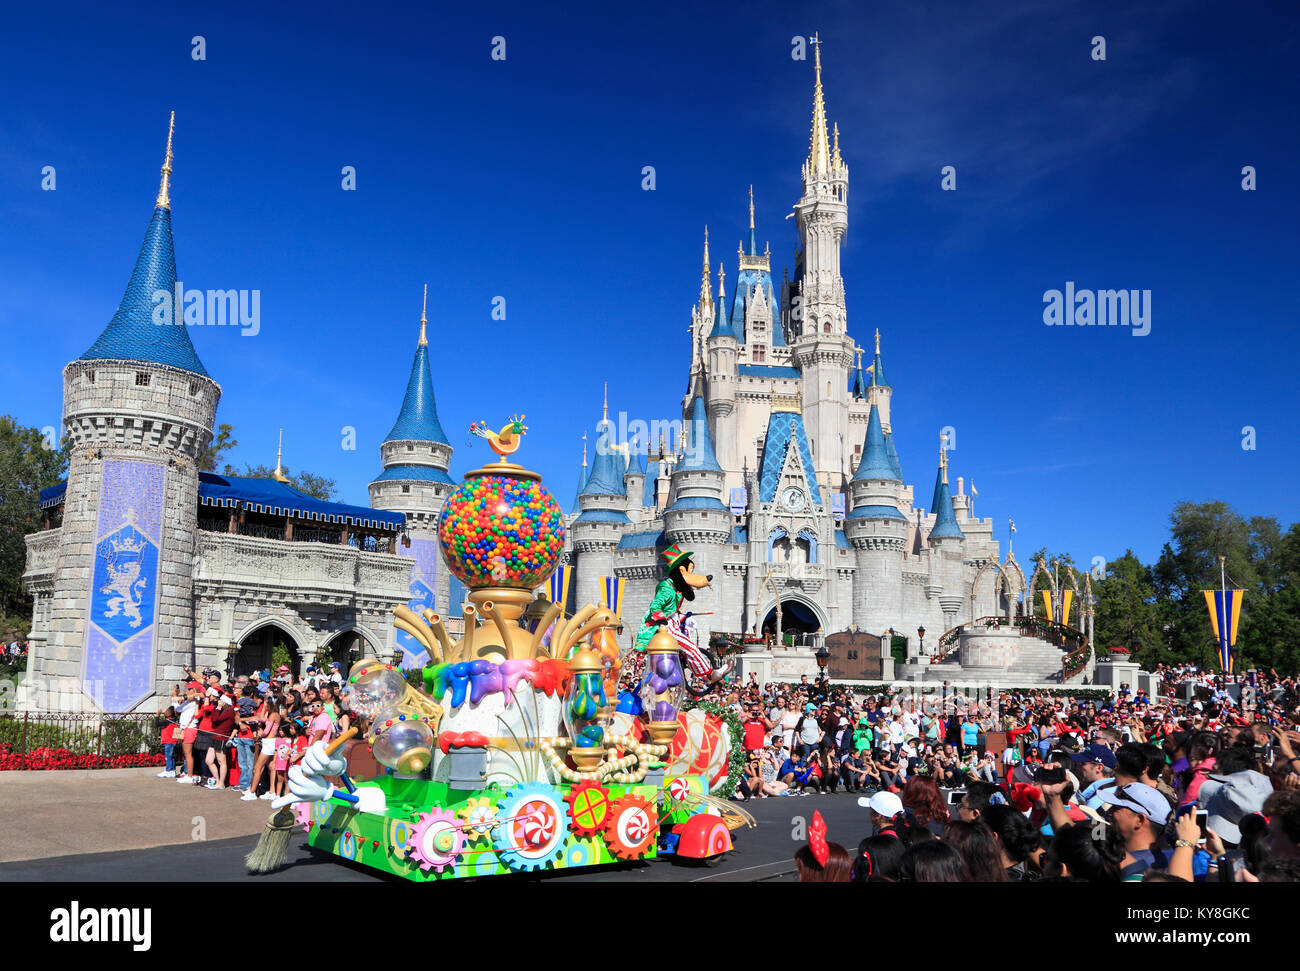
(334, 664)
(194, 686)
(1140, 798)
(282, 668)
(1096, 754)
(311, 667)
(884, 802)
(1228, 799)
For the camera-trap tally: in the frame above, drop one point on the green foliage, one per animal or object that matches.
(27, 466)
(120, 736)
(308, 483)
(280, 655)
(221, 443)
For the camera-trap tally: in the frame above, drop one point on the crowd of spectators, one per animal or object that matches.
(244, 732)
(1024, 786)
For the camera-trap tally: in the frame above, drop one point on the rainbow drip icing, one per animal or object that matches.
(480, 678)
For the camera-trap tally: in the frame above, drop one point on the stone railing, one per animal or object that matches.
(797, 571)
(301, 572)
(42, 553)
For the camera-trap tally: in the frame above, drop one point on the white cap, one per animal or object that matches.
(885, 803)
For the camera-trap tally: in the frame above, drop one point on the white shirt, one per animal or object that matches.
(188, 713)
(788, 721)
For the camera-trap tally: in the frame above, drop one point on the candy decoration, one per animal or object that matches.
(533, 827)
(485, 677)
(702, 746)
(631, 827)
(479, 816)
(719, 840)
(437, 841)
(678, 789)
(322, 812)
(399, 833)
(588, 806)
(502, 531)
(348, 847)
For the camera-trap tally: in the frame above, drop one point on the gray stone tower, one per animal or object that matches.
(597, 530)
(697, 520)
(138, 407)
(877, 530)
(947, 545)
(822, 349)
(416, 457)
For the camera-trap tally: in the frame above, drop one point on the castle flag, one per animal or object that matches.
(1225, 612)
(613, 587)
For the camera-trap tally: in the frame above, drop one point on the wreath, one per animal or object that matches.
(736, 760)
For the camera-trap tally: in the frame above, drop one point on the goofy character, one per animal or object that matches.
(673, 591)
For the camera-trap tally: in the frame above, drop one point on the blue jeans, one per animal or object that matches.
(169, 753)
(244, 751)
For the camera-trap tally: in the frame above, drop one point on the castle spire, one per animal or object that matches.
(604, 408)
(818, 152)
(278, 475)
(836, 161)
(164, 186)
(424, 321)
(753, 238)
(706, 292)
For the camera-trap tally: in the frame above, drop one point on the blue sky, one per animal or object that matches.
(522, 178)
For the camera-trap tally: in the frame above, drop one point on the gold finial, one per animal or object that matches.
(859, 353)
(278, 475)
(751, 207)
(877, 340)
(584, 448)
(818, 156)
(836, 161)
(706, 292)
(604, 408)
(943, 455)
(164, 187)
(423, 319)
(722, 284)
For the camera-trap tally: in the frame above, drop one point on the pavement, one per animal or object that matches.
(46, 815)
(126, 825)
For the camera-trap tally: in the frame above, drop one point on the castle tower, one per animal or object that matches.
(723, 355)
(822, 349)
(697, 520)
(603, 519)
(634, 477)
(947, 544)
(416, 456)
(702, 318)
(138, 407)
(877, 531)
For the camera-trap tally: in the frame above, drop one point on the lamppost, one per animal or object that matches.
(823, 658)
(920, 633)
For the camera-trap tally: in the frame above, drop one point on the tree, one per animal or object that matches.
(221, 443)
(1127, 614)
(308, 483)
(27, 465)
(1060, 561)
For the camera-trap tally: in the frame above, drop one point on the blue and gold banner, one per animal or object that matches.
(560, 581)
(1225, 612)
(739, 502)
(423, 584)
(117, 670)
(613, 587)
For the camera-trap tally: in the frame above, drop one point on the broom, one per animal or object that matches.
(273, 845)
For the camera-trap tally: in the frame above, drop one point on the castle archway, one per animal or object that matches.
(265, 645)
(799, 617)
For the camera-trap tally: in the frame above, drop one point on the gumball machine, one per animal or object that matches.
(586, 707)
(664, 686)
(501, 533)
(401, 742)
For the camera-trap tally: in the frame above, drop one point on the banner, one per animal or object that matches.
(560, 588)
(424, 579)
(1047, 605)
(1066, 597)
(1057, 612)
(613, 587)
(739, 502)
(1225, 611)
(124, 600)
(837, 505)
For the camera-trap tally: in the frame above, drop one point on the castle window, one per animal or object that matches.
(406, 488)
(194, 388)
(826, 327)
(410, 448)
(141, 379)
(90, 377)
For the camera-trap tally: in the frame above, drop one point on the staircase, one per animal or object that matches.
(1037, 661)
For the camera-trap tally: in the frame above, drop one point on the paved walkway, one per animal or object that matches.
(48, 814)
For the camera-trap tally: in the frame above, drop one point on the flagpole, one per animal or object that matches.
(1223, 616)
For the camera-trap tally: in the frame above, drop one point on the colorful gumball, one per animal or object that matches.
(501, 530)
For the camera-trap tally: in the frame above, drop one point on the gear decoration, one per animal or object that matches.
(436, 841)
(532, 827)
(581, 852)
(348, 846)
(479, 817)
(588, 808)
(631, 827)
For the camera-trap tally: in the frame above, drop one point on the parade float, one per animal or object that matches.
(514, 758)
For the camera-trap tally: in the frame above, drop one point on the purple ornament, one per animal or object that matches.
(664, 712)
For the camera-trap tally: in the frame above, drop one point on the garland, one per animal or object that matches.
(736, 761)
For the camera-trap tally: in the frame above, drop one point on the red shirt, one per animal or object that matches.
(755, 734)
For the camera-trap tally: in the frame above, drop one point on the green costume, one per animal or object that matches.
(667, 600)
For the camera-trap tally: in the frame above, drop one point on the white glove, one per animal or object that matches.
(305, 782)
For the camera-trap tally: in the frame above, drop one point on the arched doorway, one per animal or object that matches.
(799, 622)
(347, 647)
(264, 648)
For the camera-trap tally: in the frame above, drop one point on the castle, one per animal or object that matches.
(787, 482)
(786, 485)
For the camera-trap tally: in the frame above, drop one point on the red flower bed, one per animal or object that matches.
(61, 758)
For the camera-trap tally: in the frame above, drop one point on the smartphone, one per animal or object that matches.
(955, 796)
(1048, 777)
(1231, 862)
(1201, 816)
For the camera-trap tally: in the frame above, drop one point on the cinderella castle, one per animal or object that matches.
(787, 484)
(783, 479)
